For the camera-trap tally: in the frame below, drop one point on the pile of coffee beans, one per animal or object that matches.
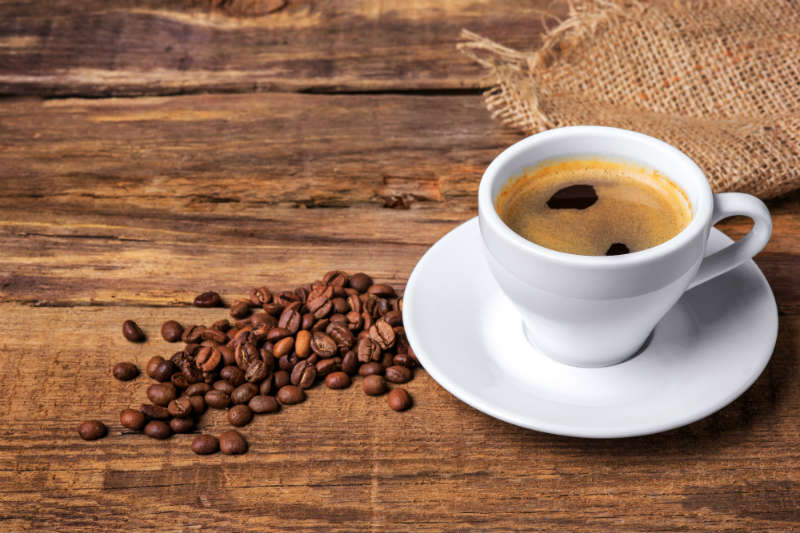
(277, 346)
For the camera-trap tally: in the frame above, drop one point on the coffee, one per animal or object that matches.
(594, 207)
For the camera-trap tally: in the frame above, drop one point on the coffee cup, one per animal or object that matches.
(594, 311)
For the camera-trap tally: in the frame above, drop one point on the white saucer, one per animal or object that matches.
(705, 352)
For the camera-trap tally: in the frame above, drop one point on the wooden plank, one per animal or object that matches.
(343, 461)
(117, 47)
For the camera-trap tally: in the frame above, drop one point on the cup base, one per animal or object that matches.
(627, 357)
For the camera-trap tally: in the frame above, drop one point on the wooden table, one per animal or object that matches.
(152, 150)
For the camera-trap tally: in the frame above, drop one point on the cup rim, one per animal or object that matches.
(701, 213)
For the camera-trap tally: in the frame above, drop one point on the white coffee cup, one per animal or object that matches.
(599, 310)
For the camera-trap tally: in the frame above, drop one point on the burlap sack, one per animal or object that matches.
(719, 79)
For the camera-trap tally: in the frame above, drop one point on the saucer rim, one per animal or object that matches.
(465, 396)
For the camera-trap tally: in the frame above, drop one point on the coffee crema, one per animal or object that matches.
(593, 206)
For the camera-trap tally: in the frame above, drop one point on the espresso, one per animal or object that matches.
(594, 207)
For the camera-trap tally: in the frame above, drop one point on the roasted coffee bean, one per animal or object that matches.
(243, 393)
(223, 325)
(367, 350)
(340, 305)
(374, 385)
(280, 379)
(360, 282)
(273, 309)
(158, 429)
(291, 318)
(382, 334)
(304, 374)
(285, 363)
(308, 321)
(256, 372)
(132, 419)
(181, 425)
(394, 318)
(233, 375)
(326, 366)
(223, 386)
(208, 359)
(401, 341)
(179, 380)
(354, 320)
(227, 355)
(162, 393)
(302, 292)
(240, 309)
(335, 278)
(283, 346)
(350, 362)
(398, 399)
(268, 357)
(245, 353)
(285, 298)
(192, 373)
(381, 289)
(180, 407)
(217, 399)
(354, 303)
(264, 319)
(265, 387)
(214, 335)
(205, 445)
(382, 306)
(398, 374)
(197, 389)
(263, 404)
(155, 412)
(387, 360)
(302, 344)
(232, 443)
(337, 380)
(366, 321)
(92, 430)
(368, 369)
(152, 364)
(275, 334)
(198, 405)
(125, 371)
(171, 330)
(403, 359)
(322, 344)
(240, 415)
(343, 337)
(260, 296)
(192, 334)
(208, 299)
(324, 310)
(290, 395)
(132, 332)
(320, 325)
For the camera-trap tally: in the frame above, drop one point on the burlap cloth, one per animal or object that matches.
(718, 79)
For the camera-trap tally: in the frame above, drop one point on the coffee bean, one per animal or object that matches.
(371, 368)
(132, 419)
(217, 399)
(382, 307)
(320, 325)
(304, 374)
(208, 359)
(398, 399)
(302, 344)
(158, 429)
(162, 393)
(335, 278)
(273, 309)
(281, 378)
(290, 395)
(394, 318)
(387, 360)
(132, 332)
(382, 334)
(222, 324)
(179, 380)
(215, 335)
(228, 358)
(92, 430)
(367, 350)
(205, 445)
(350, 362)
(263, 404)
(155, 412)
(223, 386)
(160, 369)
(360, 282)
(125, 371)
(326, 366)
(260, 296)
(240, 309)
(207, 299)
(374, 385)
(340, 305)
(266, 386)
(405, 360)
(245, 353)
(240, 415)
(198, 405)
(307, 322)
(233, 375)
(322, 344)
(380, 289)
(285, 363)
(192, 334)
(171, 331)
(283, 346)
(398, 374)
(337, 380)
(232, 443)
(256, 372)
(243, 393)
(291, 318)
(181, 425)
(343, 337)
(197, 389)
(275, 334)
(180, 407)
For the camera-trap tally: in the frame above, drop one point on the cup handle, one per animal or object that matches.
(726, 205)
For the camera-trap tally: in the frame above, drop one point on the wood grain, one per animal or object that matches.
(119, 47)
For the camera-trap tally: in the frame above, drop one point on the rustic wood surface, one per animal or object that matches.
(116, 208)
